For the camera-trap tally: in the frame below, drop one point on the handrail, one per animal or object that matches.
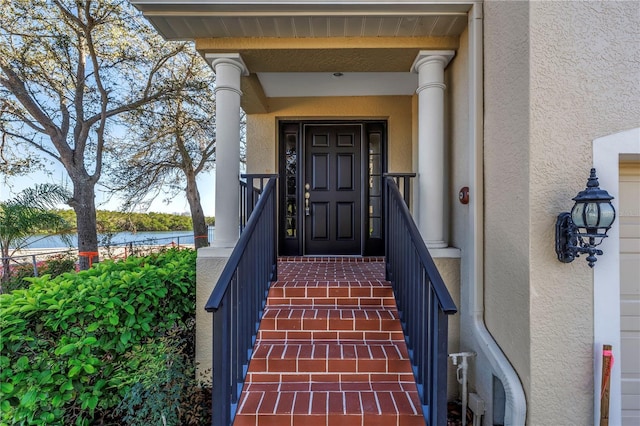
(423, 303)
(237, 301)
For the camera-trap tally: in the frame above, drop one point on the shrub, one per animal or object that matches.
(74, 346)
(165, 391)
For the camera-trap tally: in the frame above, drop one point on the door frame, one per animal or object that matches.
(607, 152)
(291, 152)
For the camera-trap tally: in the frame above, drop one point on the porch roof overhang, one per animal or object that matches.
(317, 38)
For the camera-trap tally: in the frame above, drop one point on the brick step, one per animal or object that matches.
(336, 293)
(333, 381)
(267, 406)
(328, 270)
(369, 288)
(332, 302)
(330, 357)
(316, 336)
(334, 318)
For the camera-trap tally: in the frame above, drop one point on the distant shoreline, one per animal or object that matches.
(42, 241)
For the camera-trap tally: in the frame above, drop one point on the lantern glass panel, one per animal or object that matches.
(577, 215)
(607, 215)
(591, 215)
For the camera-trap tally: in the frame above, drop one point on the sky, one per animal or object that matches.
(57, 175)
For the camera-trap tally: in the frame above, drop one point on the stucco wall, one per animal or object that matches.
(586, 57)
(209, 265)
(557, 76)
(506, 174)
(458, 146)
(450, 271)
(262, 128)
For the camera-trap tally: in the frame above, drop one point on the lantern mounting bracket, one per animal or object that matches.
(567, 242)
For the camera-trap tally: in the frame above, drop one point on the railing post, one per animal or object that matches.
(274, 238)
(440, 373)
(35, 265)
(220, 386)
(250, 193)
(405, 184)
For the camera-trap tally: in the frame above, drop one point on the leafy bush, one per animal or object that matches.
(165, 392)
(73, 347)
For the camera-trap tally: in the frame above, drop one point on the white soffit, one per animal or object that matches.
(292, 84)
(300, 19)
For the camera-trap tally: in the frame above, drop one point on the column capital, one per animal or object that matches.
(227, 58)
(430, 56)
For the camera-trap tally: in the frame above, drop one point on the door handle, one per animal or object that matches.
(307, 212)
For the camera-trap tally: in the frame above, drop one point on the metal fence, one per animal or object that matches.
(31, 262)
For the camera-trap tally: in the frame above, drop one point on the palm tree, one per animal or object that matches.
(26, 214)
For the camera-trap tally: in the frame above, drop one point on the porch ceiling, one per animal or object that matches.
(277, 38)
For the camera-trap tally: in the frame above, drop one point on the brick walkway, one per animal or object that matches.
(330, 350)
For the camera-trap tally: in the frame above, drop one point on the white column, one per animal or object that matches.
(430, 67)
(228, 68)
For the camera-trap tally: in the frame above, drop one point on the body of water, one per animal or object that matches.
(117, 239)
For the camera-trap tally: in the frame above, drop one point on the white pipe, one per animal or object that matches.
(461, 375)
(472, 303)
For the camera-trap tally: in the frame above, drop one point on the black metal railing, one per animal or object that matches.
(403, 182)
(423, 303)
(249, 198)
(237, 302)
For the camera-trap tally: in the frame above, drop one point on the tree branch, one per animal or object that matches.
(34, 144)
(16, 86)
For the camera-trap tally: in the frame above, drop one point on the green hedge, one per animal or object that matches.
(76, 345)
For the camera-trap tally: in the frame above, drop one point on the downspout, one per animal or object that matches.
(472, 315)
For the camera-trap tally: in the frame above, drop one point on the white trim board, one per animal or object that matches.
(606, 274)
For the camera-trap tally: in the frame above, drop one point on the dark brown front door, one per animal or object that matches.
(332, 189)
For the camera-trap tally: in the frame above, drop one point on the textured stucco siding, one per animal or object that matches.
(457, 142)
(450, 271)
(506, 174)
(585, 57)
(557, 76)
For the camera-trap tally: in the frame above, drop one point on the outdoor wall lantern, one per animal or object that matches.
(582, 230)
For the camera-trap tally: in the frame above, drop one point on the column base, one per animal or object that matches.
(224, 244)
(435, 244)
(445, 253)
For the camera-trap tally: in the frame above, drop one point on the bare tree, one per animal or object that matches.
(169, 144)
(68, 70)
